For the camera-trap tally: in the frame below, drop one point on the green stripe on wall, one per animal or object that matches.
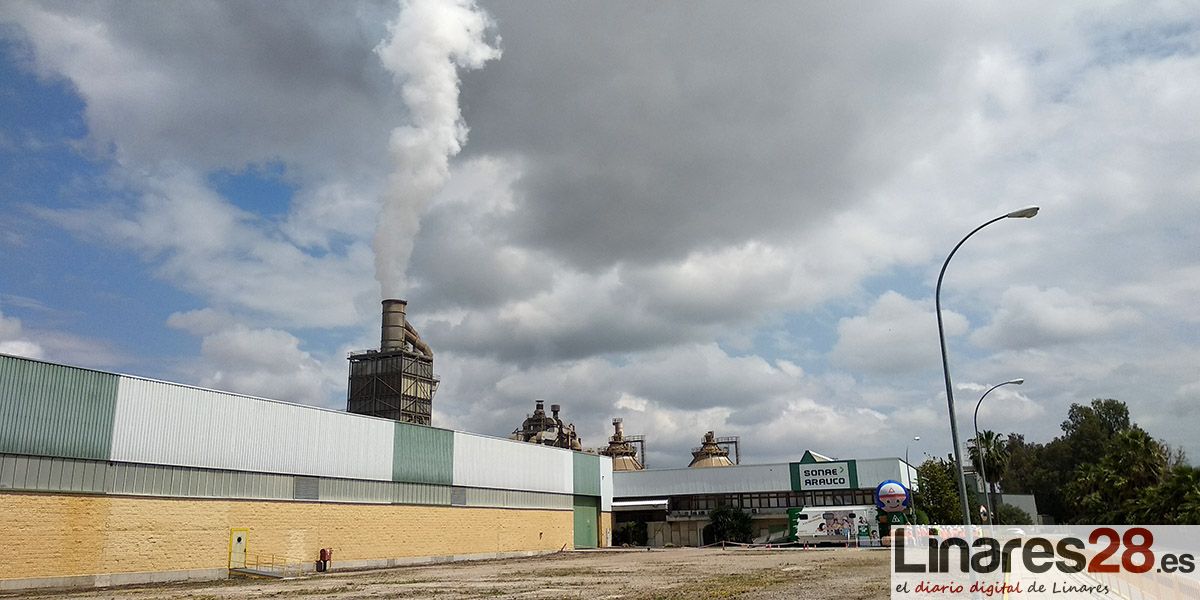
(587, 474)
(423, 455)
(55, 410)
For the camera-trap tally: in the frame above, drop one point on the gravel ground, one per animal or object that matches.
(682, 573)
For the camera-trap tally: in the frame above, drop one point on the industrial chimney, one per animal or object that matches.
(392, 332)
(396, 381)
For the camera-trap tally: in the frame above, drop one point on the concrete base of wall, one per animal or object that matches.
(348, 565)
(111, 579)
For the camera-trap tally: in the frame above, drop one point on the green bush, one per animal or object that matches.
(729, 524)
(1007, 514)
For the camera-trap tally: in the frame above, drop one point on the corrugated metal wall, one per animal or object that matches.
(423, 455)
(382, 492)
(504, 464)
(515, 499)
(873, 471)
(54, 410)
(157, 480)
(32, 473)
(51, 474)
(176, 440)
(171, 424)
(606, 484)
(677, 482)
(586, 474)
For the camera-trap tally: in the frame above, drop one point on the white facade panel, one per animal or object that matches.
(169, 424)
(722, 480)
(510, 465)
(606, 484)
(873, 471)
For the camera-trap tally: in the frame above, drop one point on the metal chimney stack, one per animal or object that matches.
(396, 381)
(392, 333)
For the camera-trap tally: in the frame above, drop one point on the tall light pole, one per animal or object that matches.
(1024, 213)
(907, 466)
(908, 475)
(980, 449)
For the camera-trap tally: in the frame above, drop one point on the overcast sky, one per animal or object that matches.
(694, 216)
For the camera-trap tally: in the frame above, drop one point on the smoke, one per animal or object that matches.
(428, 42)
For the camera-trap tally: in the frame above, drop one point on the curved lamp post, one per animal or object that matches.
(980, 449)
(908, 467)
(908, 473)
(1024, 213)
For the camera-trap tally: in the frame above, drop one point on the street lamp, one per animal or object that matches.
(907, 466)
(908, 475)
(980, 449)
(1024, 213)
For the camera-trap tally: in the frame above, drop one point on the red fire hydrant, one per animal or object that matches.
(325, 556)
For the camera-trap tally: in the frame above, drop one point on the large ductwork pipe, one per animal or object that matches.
(392, 335)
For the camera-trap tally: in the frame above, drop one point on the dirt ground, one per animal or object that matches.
(682, 573)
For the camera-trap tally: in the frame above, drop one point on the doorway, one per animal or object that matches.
(237, 548)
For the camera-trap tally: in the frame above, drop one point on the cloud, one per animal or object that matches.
(1029, 317)
(696, 217)
(264, 362)
(295, 83)
(12, 341)
(896, 336)
(229, 256)
(1005, 408)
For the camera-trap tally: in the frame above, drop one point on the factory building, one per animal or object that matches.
(396, 381)
(671, 506)
(110, 479)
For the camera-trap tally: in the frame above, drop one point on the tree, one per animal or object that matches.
(1107, 492)
(1176, 501)
(1047, 470)
(989, 455)
(938, 497)
(1011, 515)
(729, 524)
(1089, 429)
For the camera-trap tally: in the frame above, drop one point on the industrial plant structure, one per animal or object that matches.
(620, 449)
(711, 454)
(110, 479)
(548, 430)
(396, 381)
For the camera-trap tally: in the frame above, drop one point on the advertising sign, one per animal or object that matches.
(839, 475)
(1063, 563)
(833, 523)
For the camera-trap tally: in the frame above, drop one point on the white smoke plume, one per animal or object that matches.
(428, 43)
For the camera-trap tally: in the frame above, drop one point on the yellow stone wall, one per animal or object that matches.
(58, 535)
(606, 529)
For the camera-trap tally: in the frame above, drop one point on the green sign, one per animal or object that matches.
(835, 475)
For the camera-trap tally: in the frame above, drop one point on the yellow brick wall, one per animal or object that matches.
(57, 535)
(606, 529)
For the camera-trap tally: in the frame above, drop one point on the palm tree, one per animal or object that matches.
(992, 462)
(1119, 488)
